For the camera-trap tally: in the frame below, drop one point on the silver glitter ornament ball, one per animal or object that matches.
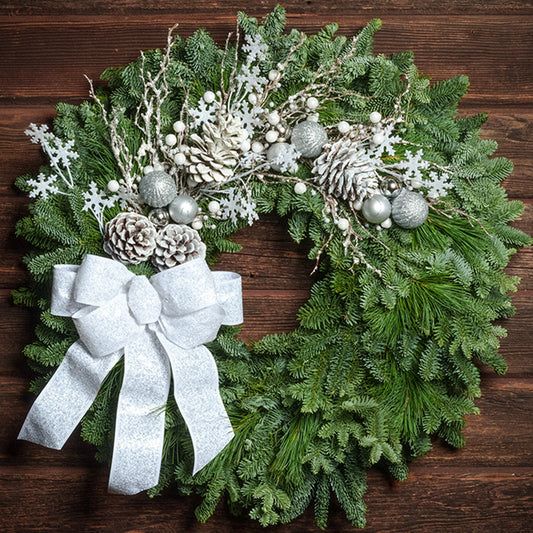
(376, 209)
(183, 209)
(409, 209)
(309, 138)
(274, 152)
(157, 189)
(159, 217)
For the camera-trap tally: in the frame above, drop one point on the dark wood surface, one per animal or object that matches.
(45, 48)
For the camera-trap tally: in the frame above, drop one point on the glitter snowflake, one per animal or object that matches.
(96, 202)
(254, 47)
(43, 186)
(250, 79)
(61, 153)
(387, 146)
(438, 184)
(413, 164)
(251, 160)
(238, 205)
(249, 116)
(204, 112)
(39, 134)
(287, 159)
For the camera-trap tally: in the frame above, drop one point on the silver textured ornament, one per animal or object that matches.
(376, 209)
(183, 209)
(159, 217)
(157, 188)
(309, 138)
(274, 152)
(409, 209)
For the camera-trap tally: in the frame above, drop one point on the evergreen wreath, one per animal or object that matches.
(367, 160)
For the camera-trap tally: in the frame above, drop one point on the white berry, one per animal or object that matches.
(378, 138)
(213, 206)
(312, 102)
(113, 186)
(257, 147)
(343, 224)
(158, 166)
(180, 159)
(358, 205)
(387, 223)
(272, 75)
(197, 224)
(245, 145)
(179, 126)
(171, 139)
(313, 118)
(252, 98)
(416, 184)
(272, 136)
(147, 169)
(273, 118)
(300, 188)
(209, 97)
(343, 127)
(375, 117)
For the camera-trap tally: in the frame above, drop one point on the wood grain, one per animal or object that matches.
(53, 50)
(47, 46)
(335, 8)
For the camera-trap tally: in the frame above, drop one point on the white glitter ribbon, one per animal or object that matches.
(159, 326)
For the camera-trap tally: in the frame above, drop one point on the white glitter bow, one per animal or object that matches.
(159, 326)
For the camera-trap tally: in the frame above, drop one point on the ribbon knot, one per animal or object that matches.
(159, 326)
(144, 301)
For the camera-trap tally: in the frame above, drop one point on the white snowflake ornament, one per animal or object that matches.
(43, 186)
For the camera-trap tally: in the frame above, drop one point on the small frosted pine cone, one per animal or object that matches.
(345, 170)
(215, 153)
(129, 238)
(177, 244)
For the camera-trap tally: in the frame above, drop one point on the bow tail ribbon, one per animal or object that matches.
(197, 395)
(140, 422)
(67, 397)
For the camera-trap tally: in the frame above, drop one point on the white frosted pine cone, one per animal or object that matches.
(214, 154)
(345, 170)
(129, 238)
(177, 244)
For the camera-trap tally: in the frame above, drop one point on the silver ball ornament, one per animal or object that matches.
(157, 188)
(159, 217)
(274, 152)
(409, 209)
(376, 209)
(308, 138)
(183, 209)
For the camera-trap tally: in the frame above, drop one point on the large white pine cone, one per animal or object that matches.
(129, 238)
(214, 154)
(177, 244)
(345, 170)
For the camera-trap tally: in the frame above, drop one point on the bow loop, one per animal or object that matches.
(186, 288)
(99, 280)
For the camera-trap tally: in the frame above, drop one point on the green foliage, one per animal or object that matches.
(377, 364)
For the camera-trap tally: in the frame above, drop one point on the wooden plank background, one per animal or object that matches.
(45, 48)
